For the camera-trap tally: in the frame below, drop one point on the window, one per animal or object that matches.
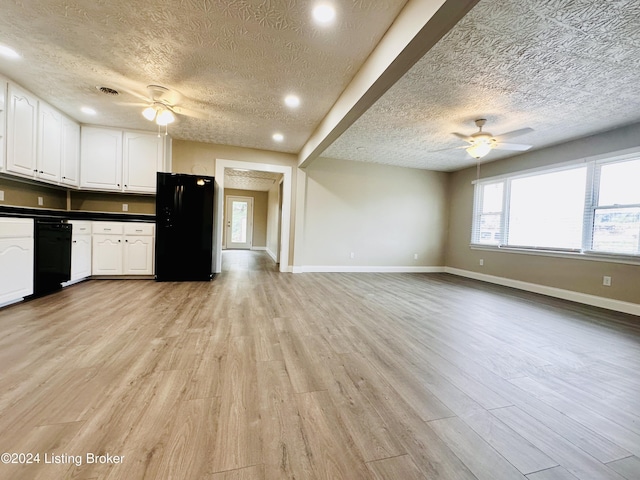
(490, 216)
(593, 207)
(616, 216)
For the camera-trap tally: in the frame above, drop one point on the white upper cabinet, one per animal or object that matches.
(143, 157)
(22, 124)
(101, 159)
(3, 121)
(49, 143)
(70, 161)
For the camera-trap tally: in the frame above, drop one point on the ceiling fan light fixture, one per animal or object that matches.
(149, 113)
(165, 117)
(479, 150)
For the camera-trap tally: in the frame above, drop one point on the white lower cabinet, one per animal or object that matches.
(16, 259)
(123, 248)
(80, 249)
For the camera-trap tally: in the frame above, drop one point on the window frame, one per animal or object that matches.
(593, 172)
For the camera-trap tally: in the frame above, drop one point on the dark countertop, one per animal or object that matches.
(7, 211)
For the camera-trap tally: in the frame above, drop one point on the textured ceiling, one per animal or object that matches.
(564, 68)
(232, 61)
(250, 179)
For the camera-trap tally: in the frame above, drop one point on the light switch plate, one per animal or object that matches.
(1, 195)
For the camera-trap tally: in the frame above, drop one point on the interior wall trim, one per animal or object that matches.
(365, 269)
(584, 298)
(271, 254)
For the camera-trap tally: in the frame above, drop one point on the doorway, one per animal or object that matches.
(287, 191)
(239, 222)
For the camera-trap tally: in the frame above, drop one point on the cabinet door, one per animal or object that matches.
(16, 268)
(138, 255)
(22, 122)
(143, 157)
(107, 255)
(80, 257)
(101, 158)
(70, 167)
(49, 143)
(3, 122)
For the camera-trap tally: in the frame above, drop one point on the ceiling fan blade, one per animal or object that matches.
(513, 134)
(189, 112)
(133, 104)
(466, 138)
(512, 146)
(447, 149)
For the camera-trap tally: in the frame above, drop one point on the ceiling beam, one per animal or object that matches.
(418, 27)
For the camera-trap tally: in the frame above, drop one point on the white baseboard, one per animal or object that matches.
(364, 269)
(258, 248)
(585, 298)
(273, 256)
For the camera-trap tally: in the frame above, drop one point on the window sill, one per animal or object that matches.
(591, 256)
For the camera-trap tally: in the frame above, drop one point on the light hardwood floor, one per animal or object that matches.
(262, 375)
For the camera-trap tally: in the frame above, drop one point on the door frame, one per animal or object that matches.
(227, 200)
(287, 172)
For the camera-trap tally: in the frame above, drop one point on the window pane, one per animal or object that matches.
(616, 230)
(492, 198)
(490, 228)
(239, 222)
(547, 210)
(620, 183)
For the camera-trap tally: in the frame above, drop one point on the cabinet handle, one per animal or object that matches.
(107, 229)
(119, 241)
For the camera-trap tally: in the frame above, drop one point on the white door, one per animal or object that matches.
(239, 222)
(143, 154)
(138, 255)
(80, 257)
(49, 151)
(107, 255)
(22, 125)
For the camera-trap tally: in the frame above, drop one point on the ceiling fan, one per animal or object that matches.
(481, 143)
(160, 105)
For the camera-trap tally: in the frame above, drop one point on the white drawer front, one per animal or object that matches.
(16, 228)
(139, 228)
(81, 227)
(107, 228)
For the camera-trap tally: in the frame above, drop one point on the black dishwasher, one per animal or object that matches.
(52, 264)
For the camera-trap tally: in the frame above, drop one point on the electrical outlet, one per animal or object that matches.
(125, 207)
(40, 201)
(1, 195)
(606, 281)
(353, 255)
(415, 256)
(481, 262)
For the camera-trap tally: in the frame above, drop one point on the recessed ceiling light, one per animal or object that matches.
(278, 137)
(324, 13)
(8, 52)
(88, 110)
(292, 101)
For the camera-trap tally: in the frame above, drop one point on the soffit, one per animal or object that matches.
(232, 61)
(565, 69)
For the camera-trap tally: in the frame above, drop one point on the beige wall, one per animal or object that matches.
(259, 213)
(577, 275)
(200, 158)
(112, 202)
(22, 194)
(273, 220)
(383, 214)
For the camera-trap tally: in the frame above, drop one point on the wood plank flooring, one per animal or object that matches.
(259, 375)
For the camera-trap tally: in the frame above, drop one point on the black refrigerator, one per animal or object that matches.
(184, 227)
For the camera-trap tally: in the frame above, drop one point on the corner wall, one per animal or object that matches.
(584, 277)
